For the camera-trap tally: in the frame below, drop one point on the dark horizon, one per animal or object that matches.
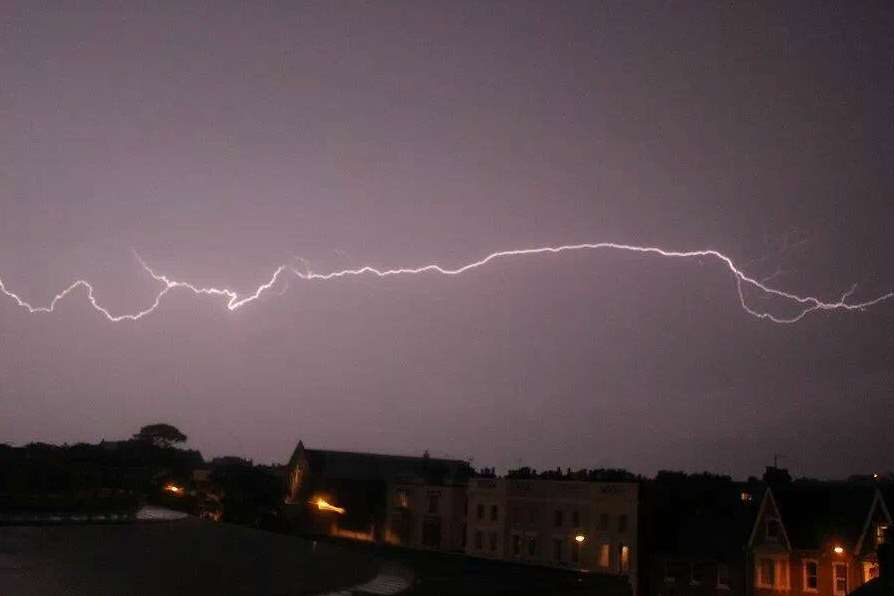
(219, 141)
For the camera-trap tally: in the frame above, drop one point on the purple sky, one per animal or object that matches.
(220, 140)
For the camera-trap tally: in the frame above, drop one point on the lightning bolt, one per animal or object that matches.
(803, 305)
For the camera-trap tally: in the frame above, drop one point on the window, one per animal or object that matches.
(880, 531)
(480, 510)
(516, 545)
(493, 513)
(774, 530)
(431, 532)
(557, 519)
(766, 576)
(810, 576)
(403, 499)
(624, 558)
(532, 546)
(604, 554)
(603, 521)
(696, 574)
(622, 523)
(557, 549)
(493, 541)
(839, 575)
(479, 540)
(575, 519)
(433, 502)
(723, 575)
(870, 570)
(575, 551)
(532, 514)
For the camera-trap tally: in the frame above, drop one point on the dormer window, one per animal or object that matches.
(880, 531)
(774, 530)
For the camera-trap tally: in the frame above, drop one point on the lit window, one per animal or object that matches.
(811, 573)
(604, 554)
(403, 499)
(880, 531)
(840, 576)
(870, 571)
(624, 557)
(722, 575)
(746, 497)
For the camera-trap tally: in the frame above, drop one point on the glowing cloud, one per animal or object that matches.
(801, 305)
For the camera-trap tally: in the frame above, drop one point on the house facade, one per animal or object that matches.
(816, 540)
(579, 525)
(403, 500)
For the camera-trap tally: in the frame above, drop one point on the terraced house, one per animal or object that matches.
(583, 525)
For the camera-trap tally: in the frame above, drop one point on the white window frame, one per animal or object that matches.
(781, 579)
(835, 589)
(804, 586)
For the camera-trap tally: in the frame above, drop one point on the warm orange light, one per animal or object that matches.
(838, 550)
(173, 488)
(322, 505)
(580, 538)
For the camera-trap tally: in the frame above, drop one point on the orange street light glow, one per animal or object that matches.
(579, 538)
(173, 488)
(322, 505)
(838, 550)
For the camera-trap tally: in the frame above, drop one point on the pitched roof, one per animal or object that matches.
(365, 466)
(713, 523)
(815, 513)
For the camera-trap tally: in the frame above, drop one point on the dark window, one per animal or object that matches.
(840, 575)
(575, 519)
(723, 575)
(622, 523)
(773, 530)
(431, 532)
(479, 540)
(767, 573)
(516, 545)
(557, 549)
(810, 575)
(603, 521)
(480, 511)
(493, 541)
(493, 512)
(433, 501)
(557, 520)
(575, 552)
(532, 545)
(532, 514)
(697, 575)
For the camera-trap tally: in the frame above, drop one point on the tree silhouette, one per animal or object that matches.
(160, 435)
